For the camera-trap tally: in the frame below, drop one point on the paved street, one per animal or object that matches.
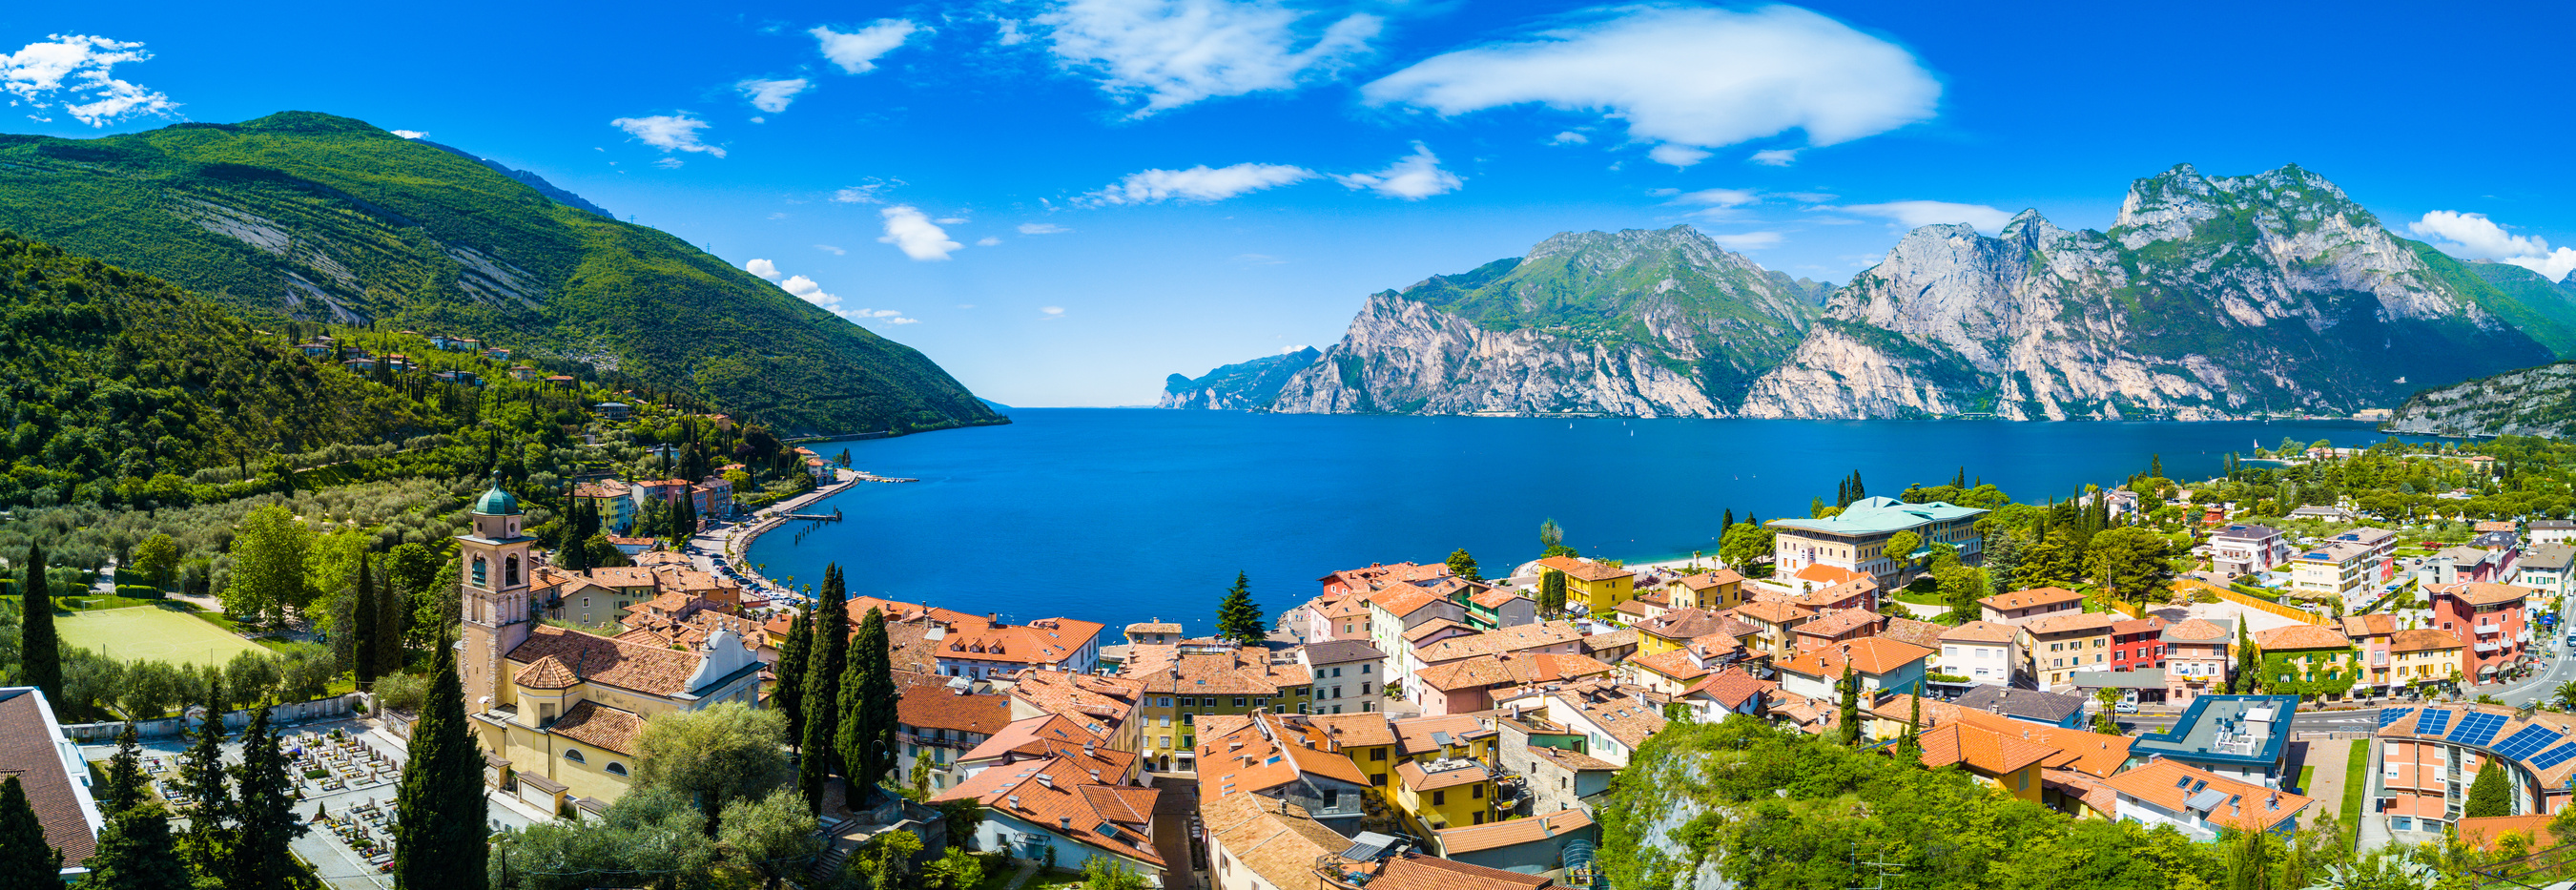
(2330, 757)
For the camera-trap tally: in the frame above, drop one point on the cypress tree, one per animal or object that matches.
(27, 861)
(392, 610)
(266, 810)
(202, 779)
(122, 790)
(1910, 744)
(2488, 796)
(363, 631)
(1728, 522)
(788, 695)
(136, 852)
(1551, 592)
(826, 659)
(39, 651)
(867, 708)
(1237, 617)
(439, 844)
(1849, 713)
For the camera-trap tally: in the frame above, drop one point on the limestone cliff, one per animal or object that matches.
(1242, 386)
(2530, 402)
(2209, 298)
(1634, 323)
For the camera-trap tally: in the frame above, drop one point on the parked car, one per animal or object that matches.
(2126, 707)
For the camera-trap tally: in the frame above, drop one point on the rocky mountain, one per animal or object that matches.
(2530, 402)
(527, 178)
(1237, 387)
(310, 216)
(1638, 323)
(2210, 297)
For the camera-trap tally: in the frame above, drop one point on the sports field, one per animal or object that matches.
(151, 633)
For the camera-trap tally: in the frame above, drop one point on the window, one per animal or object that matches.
(1364, 686)
(1368, 668)
(574, 755)
(1378, 780)
(616, 769)
(1337, 672)
(1439, 798)
(1238, 701)
(1480, 819)
(1476, 791)
(510, 572)
(1189, 702)
(1378, 753)
(480, 571)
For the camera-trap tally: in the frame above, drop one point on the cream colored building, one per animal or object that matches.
(561, 709)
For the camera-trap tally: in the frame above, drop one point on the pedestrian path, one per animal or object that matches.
(2330, 757)
(1027, 868)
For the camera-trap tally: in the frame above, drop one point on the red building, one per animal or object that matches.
(2138, 644)
(2491, 617)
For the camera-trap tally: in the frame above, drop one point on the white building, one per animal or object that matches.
(2340, 570)
(1982, 651)
(2202, 804)
(2245, 549)
(1347, 676)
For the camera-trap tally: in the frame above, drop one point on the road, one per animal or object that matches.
(2364, 720)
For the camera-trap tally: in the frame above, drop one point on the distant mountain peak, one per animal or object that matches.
(526, 178)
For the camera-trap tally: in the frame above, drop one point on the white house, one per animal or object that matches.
(1982, 651)
(2202, 804)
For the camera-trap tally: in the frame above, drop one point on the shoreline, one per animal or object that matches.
(734, 542)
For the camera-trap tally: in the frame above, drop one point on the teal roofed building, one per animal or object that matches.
(1856, 539)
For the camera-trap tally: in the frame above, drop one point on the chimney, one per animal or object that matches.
(1064, 823)
(1095, 776)
(1045, 780)
(1014, 801)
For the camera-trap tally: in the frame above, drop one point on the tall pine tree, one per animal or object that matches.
(363, 632)
(137, 852)
(27, 861)
(123, 787)
(266, 813)
(826, 659)
(204, 781)
(39, 651)
(439, 842)
(868, 708)
(1238, 618)
(1847, 717)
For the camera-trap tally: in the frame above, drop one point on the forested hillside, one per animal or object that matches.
(312, 217)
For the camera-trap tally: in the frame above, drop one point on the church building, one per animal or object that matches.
(557, 708)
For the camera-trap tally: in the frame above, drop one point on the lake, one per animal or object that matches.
(1121, 515)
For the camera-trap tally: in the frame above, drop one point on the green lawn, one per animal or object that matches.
(2356, 780)
(2307, 779)
(1921, 599)
(165, 632)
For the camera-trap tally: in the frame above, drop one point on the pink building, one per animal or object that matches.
(2491, 617)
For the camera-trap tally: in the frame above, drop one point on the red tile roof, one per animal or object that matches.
(1041, 793)
(2301, 636)
(600, 726)
(30, 749)
(1980, 748)
(1868, 655)
(597, 659)
(1584, 569)
(1496, 835)
(2036, 596)
(2168, 783)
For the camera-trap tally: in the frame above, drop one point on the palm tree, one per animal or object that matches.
(2565, 696)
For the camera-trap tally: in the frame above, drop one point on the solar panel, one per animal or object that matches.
(2392, 715)
(2554, 756)
(2477, 728)
(2433, 722)
(2521, 745)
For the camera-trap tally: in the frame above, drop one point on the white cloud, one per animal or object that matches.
(988, 241)
(1809, 197)
(901, 320)
(1200, 183)
(1052, 311)
(1570, 137)
(2475, 236)
(668, 132)
(865, 194)
(912, 232)
(1778, 157)
(1006, 32)
(411, 134)
(669, 163)
(1687, 78)
(1720, 197)
(771, 95)
(1677, 155)
(1042, 229)
(805, 289)
(762, 268)
(953, 220)
(857, 52)
(835, 251)
(1415, 177)
(77, 71)
(1284, 350)
(1927, 213)
(1746, 240)
(1175, 52)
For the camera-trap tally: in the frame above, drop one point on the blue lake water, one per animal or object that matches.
(1120, 515)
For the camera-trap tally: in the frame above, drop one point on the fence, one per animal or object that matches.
(289, 713)
(2191, 586)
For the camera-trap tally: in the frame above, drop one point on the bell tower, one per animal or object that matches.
(496, 570)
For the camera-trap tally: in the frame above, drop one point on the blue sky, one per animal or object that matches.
(1015, 188)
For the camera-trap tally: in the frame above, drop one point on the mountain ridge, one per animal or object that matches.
(302, 215)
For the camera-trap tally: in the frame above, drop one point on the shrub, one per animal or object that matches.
(402, 692)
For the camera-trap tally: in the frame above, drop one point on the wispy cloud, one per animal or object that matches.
(2475, 236)
(1912, 214)
(1719, 197)
(411, 134)
(668, 132)
(1051, 313)
(988, 241)
(1746, 240)
(857, 52)
(1200, 183)
(1170, 53)
(911, 231)
(76, 73)
(1042, 229)
(1570, 137)
(835, 251)
(808, 290)
(1687, 79)
(1413, 178)
(772, 95)
(1777, 157)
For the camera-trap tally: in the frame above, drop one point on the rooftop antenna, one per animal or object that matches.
(1884, 869)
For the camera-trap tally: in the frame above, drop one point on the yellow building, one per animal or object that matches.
(1369, 741)
(2007, 762)
(2056, 646)
(2307, 652)
(1714, 591)
(1591, 586)
(1183, 684)
(1444, 794)
(560, 708)
(2424, 654)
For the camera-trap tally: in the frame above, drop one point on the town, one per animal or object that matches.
(2139, 654)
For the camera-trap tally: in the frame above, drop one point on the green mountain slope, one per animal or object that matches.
(315, 217)
(2542, 308)
(1239, 387)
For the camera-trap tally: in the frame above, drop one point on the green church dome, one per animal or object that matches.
(496, 502)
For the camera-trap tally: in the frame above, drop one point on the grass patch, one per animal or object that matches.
(2356, 780)
(165, 632)
(97, 602)
(2308, 779)
(1921, 599)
